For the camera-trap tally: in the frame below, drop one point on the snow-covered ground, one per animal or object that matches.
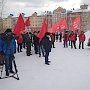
(69, 70)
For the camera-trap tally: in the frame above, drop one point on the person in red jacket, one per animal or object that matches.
(65, 39)
(81, 39)
(73, 39)
(19, 42)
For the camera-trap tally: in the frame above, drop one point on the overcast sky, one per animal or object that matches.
(29, 6)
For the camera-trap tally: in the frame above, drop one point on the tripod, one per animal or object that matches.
(16, 71)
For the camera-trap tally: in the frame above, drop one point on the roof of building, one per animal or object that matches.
(60, 9)
(78, 10)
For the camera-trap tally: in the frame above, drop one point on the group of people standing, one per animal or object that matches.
(72, 38)
(69, 38)
(11, 43)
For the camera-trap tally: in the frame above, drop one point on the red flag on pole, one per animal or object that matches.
(60, 25)
(50, 30)
(27, 22)
(76, 23)
(20, 26)
(43, 30)
(63, 24)
(55, 27)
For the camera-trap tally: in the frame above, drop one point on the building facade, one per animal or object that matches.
(36, 22)
(58, 14)
(85, 18)
(52, 17)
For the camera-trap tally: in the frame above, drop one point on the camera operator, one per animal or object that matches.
(8, 45)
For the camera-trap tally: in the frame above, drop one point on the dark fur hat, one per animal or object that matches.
(47, 33)
(8, 30)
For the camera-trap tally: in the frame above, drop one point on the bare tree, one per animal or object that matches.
(1, 14)
(1, 8)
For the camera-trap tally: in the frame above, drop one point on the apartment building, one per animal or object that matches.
(36, 21)
(58, 14)
(84, 13)
(52, 17)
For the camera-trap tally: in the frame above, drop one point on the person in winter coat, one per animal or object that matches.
(35, 42)
(52, 39)
(65, 39)
(56, 36)
(60, 36)
(28, 43)
(19, 43)
(23, 36)
(8, 48)
(73, 39)
(82, 38)
(41, 49)
(1, 50)
(47, 44)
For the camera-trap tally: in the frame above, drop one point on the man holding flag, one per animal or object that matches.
(44, 37)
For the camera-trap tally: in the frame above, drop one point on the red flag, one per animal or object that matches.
(60, 25)
(55, 27)
(50, 30)
(20, 26)
(43, 30)
(63, 24)
(27, 22)
(76, 24)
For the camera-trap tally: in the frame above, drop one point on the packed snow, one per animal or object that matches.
(69, 70)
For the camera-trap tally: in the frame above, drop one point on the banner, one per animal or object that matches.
(43, 30)
(19, 26)
(76, 23)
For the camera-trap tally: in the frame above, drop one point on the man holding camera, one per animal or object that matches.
(8, 48)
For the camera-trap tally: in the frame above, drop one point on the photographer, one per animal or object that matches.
(8, 46)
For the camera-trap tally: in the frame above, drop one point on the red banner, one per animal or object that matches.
(27, 22)
(76, 23)
(63, 24)
(43, 30)
(20, 26)
(60, 25)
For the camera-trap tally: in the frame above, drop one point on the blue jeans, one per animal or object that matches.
(8, 62)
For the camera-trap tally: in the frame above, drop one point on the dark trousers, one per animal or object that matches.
(73, 43)
(8, 62)
(65, 44)
(41, 50)
(60, 39)
(81, 43)
(36, 48)
(56, 39)
(19, 48)
(28, 49)
(69, 43)
(46, 57)
(24, 44)
(53, 44)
